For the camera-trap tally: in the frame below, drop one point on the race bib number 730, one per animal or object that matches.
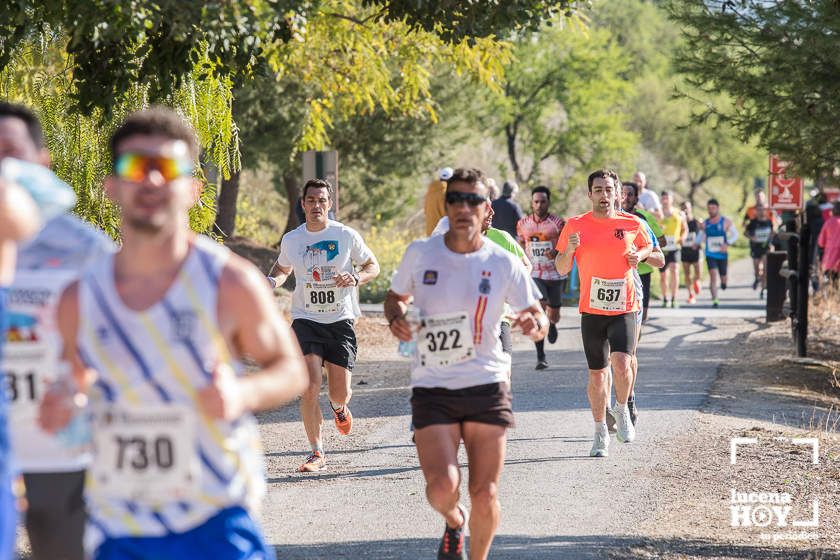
(146, 453)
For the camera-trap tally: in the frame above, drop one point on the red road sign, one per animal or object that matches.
(786, 193)
(832, 193)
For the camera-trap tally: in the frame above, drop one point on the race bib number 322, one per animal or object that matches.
(146, 453)
(445, 339)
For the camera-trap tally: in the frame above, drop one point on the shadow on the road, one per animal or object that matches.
(696, 349)
(510, 547)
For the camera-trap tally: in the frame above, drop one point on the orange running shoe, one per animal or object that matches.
(343, 419)
(315, 462)
(697, 286)
(692, 300)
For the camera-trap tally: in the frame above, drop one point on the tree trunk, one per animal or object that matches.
(511, 131)
(292, 188)
(226, 214)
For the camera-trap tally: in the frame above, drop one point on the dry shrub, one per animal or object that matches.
(824, 323)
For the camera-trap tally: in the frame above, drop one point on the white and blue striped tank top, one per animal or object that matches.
(163, 356)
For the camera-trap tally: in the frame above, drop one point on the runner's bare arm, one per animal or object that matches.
(395, 308)
(56, 409)
(533, 322)
(278, 274)
(252, 327)
(563, 261)
(18, 213)
(368, 271)
(656, 258)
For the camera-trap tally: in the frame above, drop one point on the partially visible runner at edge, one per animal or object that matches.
(538, 233)
(719, 233)
(154, 335)
(759, 229)
(656, 259)
(607, 246)
(19, 219)
(323, 255)
(691, 253)
(53, 472)
(629, 204)
(460, 391)
(675, 229)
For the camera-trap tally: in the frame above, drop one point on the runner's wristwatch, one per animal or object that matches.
(355, 276)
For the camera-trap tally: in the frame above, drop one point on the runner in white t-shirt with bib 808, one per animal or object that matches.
(323, 254)
(460, 282)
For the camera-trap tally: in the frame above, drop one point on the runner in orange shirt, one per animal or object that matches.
(538, 233)
(607, 246)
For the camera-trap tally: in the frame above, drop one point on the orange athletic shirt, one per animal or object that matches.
(604, 243)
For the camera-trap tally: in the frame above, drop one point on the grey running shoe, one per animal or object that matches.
(625, 432)
(610, 416)
(631, 406)
(541, 364)
(600, 445)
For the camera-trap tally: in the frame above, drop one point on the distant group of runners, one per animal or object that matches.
(131, 407)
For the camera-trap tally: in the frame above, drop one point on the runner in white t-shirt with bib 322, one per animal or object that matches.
(460, 282)
(323, 254)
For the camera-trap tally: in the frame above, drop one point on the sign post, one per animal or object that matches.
(786, 193)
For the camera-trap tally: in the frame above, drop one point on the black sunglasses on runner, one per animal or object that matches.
(455, 197)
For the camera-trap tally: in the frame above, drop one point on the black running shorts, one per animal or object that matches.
(721, 265)
(670, 257)
(645, 278)
(690, 255)
(551, 291)
(333, 342)
(506, 338)
(604, 334)
(758, 250)
(486, 404)
(55, 518)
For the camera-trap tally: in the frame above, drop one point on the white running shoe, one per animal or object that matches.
(600, 447)
(610, 418)
(625, 432)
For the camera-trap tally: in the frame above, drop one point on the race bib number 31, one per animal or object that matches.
(321, 297)
(445, 340)
(146, 453)
(608, 294)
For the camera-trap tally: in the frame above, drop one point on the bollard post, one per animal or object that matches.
(776, 286)
(802, 285)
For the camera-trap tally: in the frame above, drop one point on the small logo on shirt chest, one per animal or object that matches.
(183, 324)
(430, 277)
(484, 285)
(619, 233)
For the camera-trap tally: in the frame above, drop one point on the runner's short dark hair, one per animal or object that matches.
(24, 113)
(541, 189)
(633, 186)
(603, 174)
(317, 184)
(713, 201)
(155, 121)
(469, 175)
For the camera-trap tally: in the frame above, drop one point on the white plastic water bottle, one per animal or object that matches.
(52, 195)
(408, 349)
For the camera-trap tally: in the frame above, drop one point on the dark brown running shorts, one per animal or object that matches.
(487, 404)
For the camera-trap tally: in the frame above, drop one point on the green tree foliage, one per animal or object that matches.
(704, 157)
(778, 62)
(562, 106)
(39, 75)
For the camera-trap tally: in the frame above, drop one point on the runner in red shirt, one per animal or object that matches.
(538, 233)
(607, 246)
